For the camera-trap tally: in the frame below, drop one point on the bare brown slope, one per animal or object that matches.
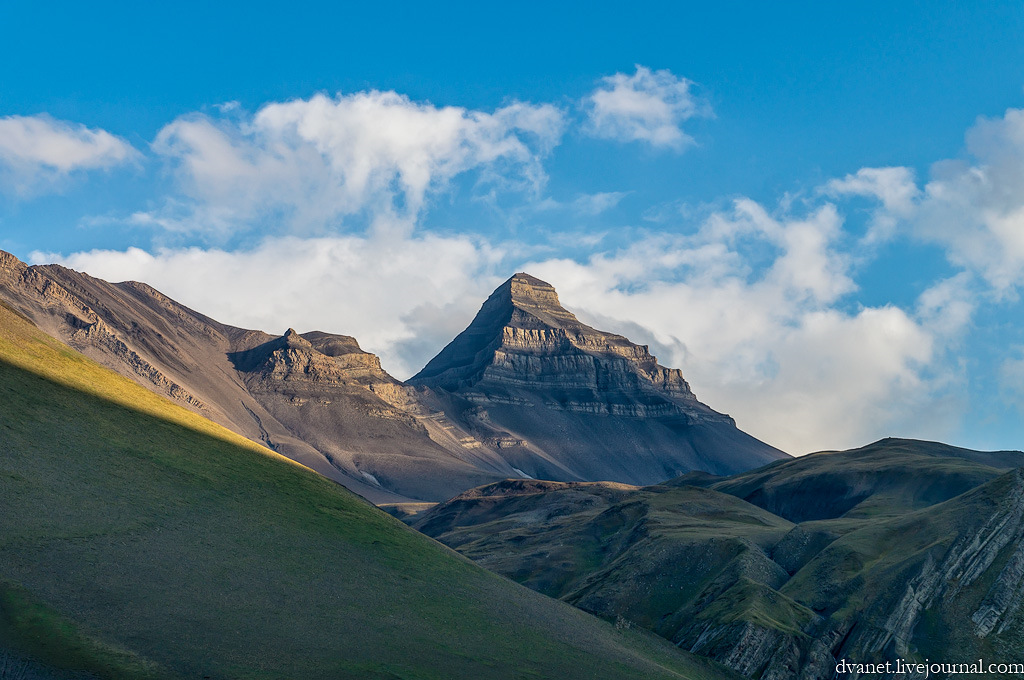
(570, 402)
(317, 398)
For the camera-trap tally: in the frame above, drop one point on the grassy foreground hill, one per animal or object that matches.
(139, 540)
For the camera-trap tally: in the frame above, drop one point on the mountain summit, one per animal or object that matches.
(523, 336)
(569, 402)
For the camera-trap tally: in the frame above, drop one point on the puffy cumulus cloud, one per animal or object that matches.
(761, 332)
(36, 150)
(753, 306)
(648, 106)
(403, 299)
(976, 209)
(973, 207)
(311, 162)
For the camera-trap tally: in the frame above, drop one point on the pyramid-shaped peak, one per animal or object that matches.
(534, 303)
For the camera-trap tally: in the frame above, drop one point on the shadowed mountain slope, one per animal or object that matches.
(568, 402)
(907, 549)
(139, 540)
(316, 398)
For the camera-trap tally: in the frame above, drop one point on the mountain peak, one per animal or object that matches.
(535, 304)
(525, 289)
(523, 336)
(565, 401)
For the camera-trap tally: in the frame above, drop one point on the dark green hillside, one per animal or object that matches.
(138, 540)
(654, 555)
(887, 477)
(921, 555)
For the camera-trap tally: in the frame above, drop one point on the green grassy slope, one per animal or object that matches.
(921, 555)
(655, 555)
(138, 540)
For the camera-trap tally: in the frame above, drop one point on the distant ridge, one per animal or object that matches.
(900, 548)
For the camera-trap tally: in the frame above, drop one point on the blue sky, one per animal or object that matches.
(817, 212)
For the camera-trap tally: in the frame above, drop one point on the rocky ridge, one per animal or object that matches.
(317, 397)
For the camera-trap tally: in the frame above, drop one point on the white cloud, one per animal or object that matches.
(595, 204)
(312, 162)
(36, 150)
(894, 187)
(973, 208)
(753, 307)
(648, 106)
(585, 205)
(977, 210)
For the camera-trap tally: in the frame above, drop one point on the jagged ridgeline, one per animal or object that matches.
(900, 549)
(526, 390)
(140, 540)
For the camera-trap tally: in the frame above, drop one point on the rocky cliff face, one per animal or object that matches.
(523, 338)
(566, 401)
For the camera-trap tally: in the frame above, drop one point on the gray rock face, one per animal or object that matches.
(570, 402)
(523, 338)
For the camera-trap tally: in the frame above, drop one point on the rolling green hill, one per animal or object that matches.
(139, 540)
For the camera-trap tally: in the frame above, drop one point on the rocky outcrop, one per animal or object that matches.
(523, 338)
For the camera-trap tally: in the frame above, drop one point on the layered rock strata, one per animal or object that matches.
(566, 401)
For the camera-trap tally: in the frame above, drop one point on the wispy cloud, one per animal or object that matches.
(36, 151)
(648, 106)
(895, 188)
